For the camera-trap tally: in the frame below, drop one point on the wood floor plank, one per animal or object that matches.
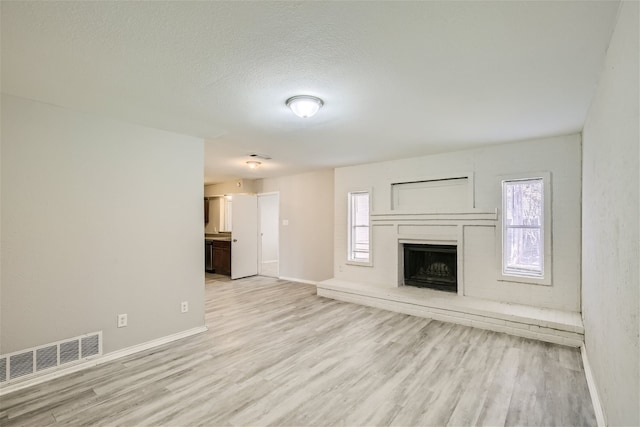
(277, 354)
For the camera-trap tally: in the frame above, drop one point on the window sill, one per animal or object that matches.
(525, 280)
(360, 263)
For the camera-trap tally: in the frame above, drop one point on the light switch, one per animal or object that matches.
(285, 222)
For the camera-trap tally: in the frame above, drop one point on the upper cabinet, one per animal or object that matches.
(206, 211)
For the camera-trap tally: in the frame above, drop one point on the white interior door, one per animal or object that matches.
(244, 236)
(268, 264)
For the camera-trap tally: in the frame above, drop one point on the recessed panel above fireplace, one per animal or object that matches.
(453, 194)
(431, 266)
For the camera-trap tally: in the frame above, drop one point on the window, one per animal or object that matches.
(523, 228)
(359, 227)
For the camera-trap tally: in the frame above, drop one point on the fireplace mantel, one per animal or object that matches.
(383, 218)
(439, 228)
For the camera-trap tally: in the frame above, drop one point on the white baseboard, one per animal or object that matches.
(9, 388)
(593, 390)
(293, 279)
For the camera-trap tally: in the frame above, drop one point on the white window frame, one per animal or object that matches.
(350, 259)
(547, 267)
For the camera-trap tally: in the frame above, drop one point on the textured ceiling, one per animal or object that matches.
(398, 78)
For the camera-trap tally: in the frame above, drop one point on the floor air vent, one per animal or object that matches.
(3, 369)
(45, 358)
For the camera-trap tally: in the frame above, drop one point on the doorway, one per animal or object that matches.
(268, 234)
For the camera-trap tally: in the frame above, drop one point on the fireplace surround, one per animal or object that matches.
(431, 266)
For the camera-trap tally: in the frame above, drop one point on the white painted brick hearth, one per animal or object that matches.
(548, 325)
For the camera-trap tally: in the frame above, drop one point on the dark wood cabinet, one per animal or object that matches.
(222, 257)
(208, 256)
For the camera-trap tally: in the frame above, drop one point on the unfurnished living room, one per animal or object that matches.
(319, 213)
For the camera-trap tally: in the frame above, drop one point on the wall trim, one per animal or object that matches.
(20, 385)
(475, 215)
(293, 279)
(593, 390)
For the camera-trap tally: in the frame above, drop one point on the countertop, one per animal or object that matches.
(218, 238)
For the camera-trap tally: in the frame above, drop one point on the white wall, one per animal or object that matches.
(306, 243)
(99, 217)
(244, 186)
(610, 215)
(559, 156)
(214, 225)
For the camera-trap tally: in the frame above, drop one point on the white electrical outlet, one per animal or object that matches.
(184, 306)
(122, 320)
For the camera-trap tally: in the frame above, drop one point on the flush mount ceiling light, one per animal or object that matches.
(260, 156)
(304, 105)
(253, 164)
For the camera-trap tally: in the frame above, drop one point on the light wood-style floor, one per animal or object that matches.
(277, 354)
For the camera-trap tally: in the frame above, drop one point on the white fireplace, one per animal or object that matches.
(432, 266)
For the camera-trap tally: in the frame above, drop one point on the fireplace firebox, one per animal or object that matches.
(431, 266)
